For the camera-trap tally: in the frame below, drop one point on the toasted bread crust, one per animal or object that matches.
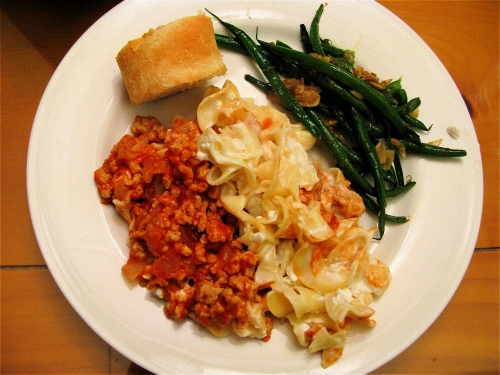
(171, 58)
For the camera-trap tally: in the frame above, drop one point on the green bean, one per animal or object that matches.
(343, 162)
(281, 43)
(373, 207)
(396, 219)
(263, 86)
(412, 136)
(400, 189)
(351, 154)
(256, 51)
(343, 63)
(396, 164)
(341, 120)
(233, 44)
(305, 39)
(416, 123)
(390, 177)
(375, 166)
(331, 50)
(230, 43)
(293, 69)
(289, 67)
(328, 47)
(398, 168)
(428, 149)
(323, 110)
(409, 106)
(401, 97)
(387, 129)
(355, 158)
(394, 102)
(395, 89)
(371, 95)
(314, 32)
(328, 84)
(374, 129)
(392, 170)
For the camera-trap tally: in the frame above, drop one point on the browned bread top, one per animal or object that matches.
(171, 58)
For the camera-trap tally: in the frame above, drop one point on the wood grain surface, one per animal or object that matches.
(40, 331)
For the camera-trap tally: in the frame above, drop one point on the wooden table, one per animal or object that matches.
(41, 333)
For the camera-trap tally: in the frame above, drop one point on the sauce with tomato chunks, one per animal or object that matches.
(183, 243)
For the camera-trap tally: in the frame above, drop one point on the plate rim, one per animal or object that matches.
(52, 263)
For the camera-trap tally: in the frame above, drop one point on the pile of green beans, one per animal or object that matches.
(365, 115)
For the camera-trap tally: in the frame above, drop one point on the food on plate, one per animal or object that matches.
(368, 124)
(171, 58)
(182, 241)
(232, 223)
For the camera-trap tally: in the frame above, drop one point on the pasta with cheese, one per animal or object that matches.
(300, 220)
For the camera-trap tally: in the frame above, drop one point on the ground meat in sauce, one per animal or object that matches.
(183, 243)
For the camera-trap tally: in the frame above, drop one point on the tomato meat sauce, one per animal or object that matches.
(183, 243)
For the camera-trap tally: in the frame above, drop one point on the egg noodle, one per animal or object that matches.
(298, 218)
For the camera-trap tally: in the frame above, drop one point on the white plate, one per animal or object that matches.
(85, 110)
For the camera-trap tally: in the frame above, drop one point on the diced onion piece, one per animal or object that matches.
(399, 146)
(133, 269)
(437, 142)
